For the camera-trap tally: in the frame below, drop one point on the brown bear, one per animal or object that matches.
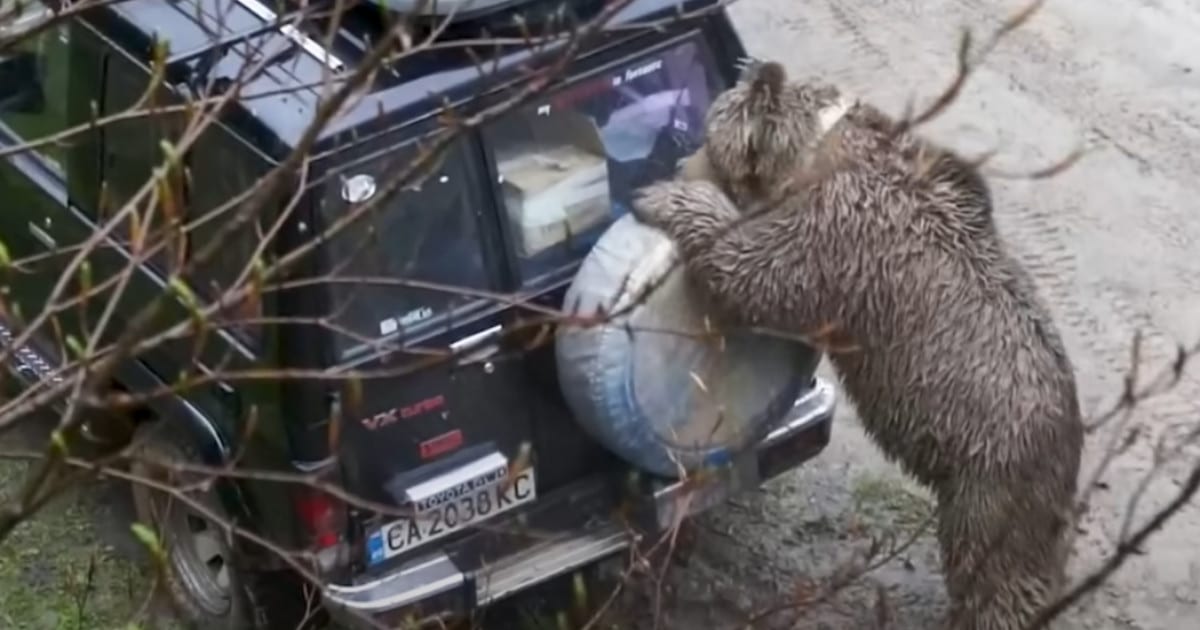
(803, 211)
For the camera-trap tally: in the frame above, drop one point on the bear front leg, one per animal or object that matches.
(692, 213)
(750, 267)
(700, 219)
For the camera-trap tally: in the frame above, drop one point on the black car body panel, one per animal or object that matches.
(38, 208)
(498, 400)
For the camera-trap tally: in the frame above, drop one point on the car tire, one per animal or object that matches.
(205, 583)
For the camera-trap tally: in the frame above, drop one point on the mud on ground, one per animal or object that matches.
(1113, 244)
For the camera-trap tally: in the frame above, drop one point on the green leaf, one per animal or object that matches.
(59, 441)
(85, 275)
(5, 258)
(162, 49)
(579, 588)
(170, 155)
(149, 538)
(185, 295)
(76, 346)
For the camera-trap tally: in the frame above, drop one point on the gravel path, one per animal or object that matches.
(1113, 244)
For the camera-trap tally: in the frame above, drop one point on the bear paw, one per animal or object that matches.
(680, 204)
(654, 204)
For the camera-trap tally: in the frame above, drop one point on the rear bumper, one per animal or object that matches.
(562, 532)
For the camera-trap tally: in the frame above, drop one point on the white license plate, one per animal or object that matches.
(405, 534)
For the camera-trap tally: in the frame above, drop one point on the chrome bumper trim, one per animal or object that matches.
(815, 405)
(437, 574)
(421, 579)
(547, 561)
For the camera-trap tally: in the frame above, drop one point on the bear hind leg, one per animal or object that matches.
(1003, 551)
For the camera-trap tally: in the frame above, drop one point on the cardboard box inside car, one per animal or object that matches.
(557, 185)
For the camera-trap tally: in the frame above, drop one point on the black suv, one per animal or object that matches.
(441, 440)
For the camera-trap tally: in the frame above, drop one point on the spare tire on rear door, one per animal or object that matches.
(647, 384)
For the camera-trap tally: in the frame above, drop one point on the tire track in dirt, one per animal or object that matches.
(1152, 133)
(1040, 239)
(1157, 219)
(1163, 237)
(1157, 350)
(860, 45)
(1041, 77)
(1113, 314)
(1162, 132)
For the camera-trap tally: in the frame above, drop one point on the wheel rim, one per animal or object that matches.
(198, 553)
(201, 558)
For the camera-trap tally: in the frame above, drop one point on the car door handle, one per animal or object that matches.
(42, 236)
(472, 347)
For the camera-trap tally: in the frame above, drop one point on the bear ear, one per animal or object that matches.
(753, 70)
(768, 79)
(747, 66)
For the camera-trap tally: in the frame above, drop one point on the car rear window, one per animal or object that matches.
(568, 165)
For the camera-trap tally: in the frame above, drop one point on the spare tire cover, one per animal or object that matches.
(644, 383)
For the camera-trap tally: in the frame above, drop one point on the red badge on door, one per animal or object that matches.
(441, 444)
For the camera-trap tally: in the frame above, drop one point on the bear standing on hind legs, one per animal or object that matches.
(957, 371)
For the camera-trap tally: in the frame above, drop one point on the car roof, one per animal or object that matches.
(208, 39)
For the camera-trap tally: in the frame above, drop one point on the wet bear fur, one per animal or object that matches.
(957, 369)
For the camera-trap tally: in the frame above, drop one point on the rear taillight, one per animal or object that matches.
(322, 516)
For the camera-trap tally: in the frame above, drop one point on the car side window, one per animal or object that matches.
(48, 83)
(222, 168)
(22, 294)
(33, 81)
(133, 146)
(219, 167)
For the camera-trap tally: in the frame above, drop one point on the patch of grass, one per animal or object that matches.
(881, 501)
(55, 574)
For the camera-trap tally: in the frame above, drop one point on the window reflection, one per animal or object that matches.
(568, 166)
(427, 233)
(33, 81)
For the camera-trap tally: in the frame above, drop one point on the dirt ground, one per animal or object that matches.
(1113, 244)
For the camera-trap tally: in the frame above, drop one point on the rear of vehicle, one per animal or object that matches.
(505, 489)
(475, 479)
